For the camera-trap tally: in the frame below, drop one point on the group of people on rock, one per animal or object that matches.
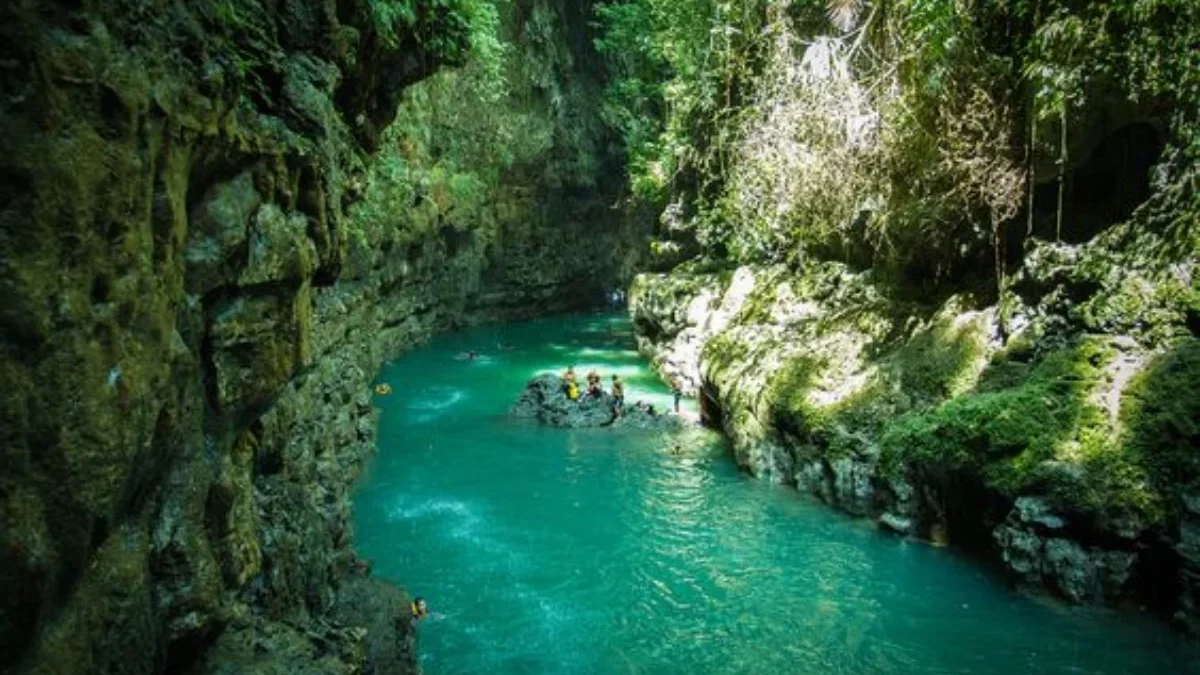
(571, 388)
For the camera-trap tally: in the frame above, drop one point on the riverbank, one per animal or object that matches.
(1039, 443)
(217, 220)
(606, 550)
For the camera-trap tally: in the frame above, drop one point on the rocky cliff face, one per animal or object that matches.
(1050, 431)
(192, 316)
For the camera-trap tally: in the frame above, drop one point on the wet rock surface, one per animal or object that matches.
(193, 315)
(1036, 549)
(545, 400)
(821, 379)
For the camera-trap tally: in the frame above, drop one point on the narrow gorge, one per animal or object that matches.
(932, 262)
(218, 220)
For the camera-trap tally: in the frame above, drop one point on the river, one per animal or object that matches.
(599, 551)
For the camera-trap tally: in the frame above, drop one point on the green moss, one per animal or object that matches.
(789, 390)
(941, 361)
(937, 361)
(1045, 433)
(759, 305)
(1153, 309)
(1160, 413)
(722, 352)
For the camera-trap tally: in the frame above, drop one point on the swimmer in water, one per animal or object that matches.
(420, 610)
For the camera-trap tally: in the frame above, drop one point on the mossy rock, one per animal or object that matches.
(1160, 414)
(1050, 432)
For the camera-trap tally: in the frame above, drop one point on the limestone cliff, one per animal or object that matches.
(192, 314)
(938, 267)
(1060, 439)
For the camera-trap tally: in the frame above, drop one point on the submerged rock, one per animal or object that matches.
(897, 524)
(545, 400)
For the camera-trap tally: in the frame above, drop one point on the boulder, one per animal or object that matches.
(1035, 511)
(1035, 553)
(545, 400)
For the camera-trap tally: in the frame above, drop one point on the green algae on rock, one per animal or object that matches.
(931, 420)
(192, 312)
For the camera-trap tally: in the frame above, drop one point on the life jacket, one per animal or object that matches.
(572, 391)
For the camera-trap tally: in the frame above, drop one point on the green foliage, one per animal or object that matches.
(1148, 46)
(1048, 432)
(901, 128)
(517, 113)
(680, 68)
(1160, 412)
(444, 28)
(392, 17)
(450, 142)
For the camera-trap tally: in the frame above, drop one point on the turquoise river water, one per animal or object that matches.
(598, 551)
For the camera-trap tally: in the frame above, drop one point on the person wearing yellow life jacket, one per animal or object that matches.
(570, 386)
(420, 610)
(618, 393)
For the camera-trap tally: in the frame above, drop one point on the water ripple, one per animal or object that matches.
(603, 552)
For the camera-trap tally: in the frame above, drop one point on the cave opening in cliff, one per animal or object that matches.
(1103, 189)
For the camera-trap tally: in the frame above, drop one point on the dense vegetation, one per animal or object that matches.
(911, 132)
(965, 235)
(468, 142)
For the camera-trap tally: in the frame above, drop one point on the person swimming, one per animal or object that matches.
(467, 356)
(593, 381)
(420, 610)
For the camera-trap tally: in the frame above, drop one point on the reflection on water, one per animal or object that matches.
(601, 551)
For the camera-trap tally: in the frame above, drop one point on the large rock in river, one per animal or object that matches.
(545, 400)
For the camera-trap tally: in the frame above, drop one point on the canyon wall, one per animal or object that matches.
(938, 267)
(203, 264)
(1053, 434)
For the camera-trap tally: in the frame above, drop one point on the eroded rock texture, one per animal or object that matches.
(1042, 442)
(545, 400)
(189, 325)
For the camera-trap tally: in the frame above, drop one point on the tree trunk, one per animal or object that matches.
(1062, 172)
